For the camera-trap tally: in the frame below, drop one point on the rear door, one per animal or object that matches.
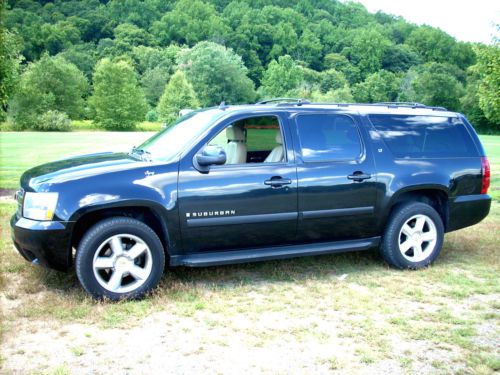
(336, 178)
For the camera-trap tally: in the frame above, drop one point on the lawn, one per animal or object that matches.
(346, 313)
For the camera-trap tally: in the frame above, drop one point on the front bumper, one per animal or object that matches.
(47, 243)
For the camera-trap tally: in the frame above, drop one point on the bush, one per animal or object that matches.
(152, 116)
(53, 121)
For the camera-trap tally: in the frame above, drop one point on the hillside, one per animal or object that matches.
(319, 49)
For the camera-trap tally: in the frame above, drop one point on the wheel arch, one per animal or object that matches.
(434, 195)
(150, 213)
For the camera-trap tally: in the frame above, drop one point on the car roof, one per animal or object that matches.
(408, 109)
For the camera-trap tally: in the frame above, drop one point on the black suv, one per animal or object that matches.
(255, 182)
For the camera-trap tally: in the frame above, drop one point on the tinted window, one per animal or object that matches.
(328, 137)
(424, 136)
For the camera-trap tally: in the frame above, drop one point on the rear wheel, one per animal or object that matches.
(413, 237)
(119, 258)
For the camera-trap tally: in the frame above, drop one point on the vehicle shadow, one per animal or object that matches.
(319, 267)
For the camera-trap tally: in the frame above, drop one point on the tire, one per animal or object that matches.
(413, 236)
(119, 258)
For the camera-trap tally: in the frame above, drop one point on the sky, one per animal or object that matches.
(466, 20)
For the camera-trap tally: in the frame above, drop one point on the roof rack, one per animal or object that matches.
(299, 101)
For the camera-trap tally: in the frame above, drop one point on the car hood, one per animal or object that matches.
(78, 167)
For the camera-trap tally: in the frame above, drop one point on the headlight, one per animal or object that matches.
(39, 206)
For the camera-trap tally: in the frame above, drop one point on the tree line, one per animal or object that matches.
(121, 62)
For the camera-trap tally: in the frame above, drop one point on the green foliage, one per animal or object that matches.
(400, 58)
(153, 83)
(433, 84)
(217, 74)
(178, 94)
(431, 43)
(332, 79)
(366, 50)
(48, 84)
(118, 101)
(152, 116)
(54, 121)
(488, 67)
(9, 65)
(329, 41)
(281, 77)
(382, 86)
(190, 22)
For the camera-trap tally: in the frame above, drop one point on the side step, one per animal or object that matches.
(270, 253)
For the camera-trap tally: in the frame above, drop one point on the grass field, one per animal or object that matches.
(346, 313)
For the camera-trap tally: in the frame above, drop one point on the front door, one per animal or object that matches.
(250, 201)
(336, 178)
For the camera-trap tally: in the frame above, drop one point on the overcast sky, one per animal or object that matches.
(466, 20)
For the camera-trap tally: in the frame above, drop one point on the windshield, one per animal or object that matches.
(169, 143)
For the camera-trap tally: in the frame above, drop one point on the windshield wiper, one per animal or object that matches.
(141, 153)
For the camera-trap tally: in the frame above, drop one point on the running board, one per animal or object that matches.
(271, 253)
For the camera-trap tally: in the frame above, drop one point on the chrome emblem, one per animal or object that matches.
(210, 213)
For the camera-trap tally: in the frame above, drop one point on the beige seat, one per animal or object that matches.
(277, 153)
(236, 148)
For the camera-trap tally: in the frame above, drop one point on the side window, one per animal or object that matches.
(424, 136)
(328, 138)
(252, 140)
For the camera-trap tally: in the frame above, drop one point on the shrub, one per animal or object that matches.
(53, 121)
(152, 116)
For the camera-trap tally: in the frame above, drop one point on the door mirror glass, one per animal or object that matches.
(211, 155)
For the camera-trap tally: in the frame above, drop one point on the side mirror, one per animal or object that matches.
(210, 155)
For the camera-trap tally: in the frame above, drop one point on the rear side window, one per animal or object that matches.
(424, 136)
(328, 138)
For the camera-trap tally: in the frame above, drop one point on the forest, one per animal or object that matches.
(118, 63)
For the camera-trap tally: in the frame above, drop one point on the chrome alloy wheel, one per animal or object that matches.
(417, 238)
(122, 263)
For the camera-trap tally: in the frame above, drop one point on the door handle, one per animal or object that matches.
(359, 176)
(277, 181)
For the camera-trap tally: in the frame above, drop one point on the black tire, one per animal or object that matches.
(106, 229)
(390, 247)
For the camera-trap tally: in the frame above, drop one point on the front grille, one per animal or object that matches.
(19, 196)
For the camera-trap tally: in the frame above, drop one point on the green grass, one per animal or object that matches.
(88, 125)
(20, 151)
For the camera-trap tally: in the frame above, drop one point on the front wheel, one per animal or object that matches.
(413, 237)
(119, 258)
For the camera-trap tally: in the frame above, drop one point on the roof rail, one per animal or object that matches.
(410, 104)
(396, 104)
(299, 101)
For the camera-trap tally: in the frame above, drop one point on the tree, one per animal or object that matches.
(9, 65)
(400, 58)
(431, 43)
(382, 86)
(217, 74)
(488, 67)
(51, 83)
(178, 94)
(366, 50)
(309, 49)
(190, 22)
(433, 84)
(281, 77)
(118, 101)
(153, 83)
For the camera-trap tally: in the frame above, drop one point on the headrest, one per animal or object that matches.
(279, 139)
(235, 134)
